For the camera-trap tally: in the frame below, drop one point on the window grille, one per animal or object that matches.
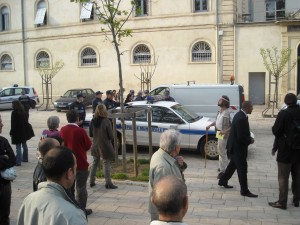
(42, 60)
(6, 62)
(88, 57)
(201, 52)
(141, 54)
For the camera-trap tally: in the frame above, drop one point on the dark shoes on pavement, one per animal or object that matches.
(92, 184)
(296, 202)
(277, 205)
(110, 186)
(225, 185)
(249, 194)
(88, 211)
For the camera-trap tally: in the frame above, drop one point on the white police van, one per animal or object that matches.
(202, 99)
(170, 115)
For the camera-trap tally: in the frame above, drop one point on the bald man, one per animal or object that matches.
(170, 199)
(44, 146)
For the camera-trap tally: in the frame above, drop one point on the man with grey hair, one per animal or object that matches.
(165, 161)
(171, 200)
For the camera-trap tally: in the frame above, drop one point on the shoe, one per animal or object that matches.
(225, 185)
(218, 169)
(92, 184)
(296, 202)
(18, 164)
(249, 194)
(220, 175)
(24, 160)
(277, 205)
(88, 211)
(110, 186)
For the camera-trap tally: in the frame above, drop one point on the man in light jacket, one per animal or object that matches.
(51, 204)
(164, 162)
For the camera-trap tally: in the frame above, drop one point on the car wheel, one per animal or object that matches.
(211, 148)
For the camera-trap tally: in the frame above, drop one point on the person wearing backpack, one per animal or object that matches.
(287, 132)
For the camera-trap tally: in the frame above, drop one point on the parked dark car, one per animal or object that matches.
(64, 102)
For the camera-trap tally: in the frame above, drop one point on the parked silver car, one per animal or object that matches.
(10, 94)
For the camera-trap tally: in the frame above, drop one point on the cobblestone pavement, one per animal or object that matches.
(208, 203)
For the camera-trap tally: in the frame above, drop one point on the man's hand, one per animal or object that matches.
(252, 141)
(180, 160)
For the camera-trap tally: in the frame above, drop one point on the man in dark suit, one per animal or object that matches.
(288, 158)
(238, 141)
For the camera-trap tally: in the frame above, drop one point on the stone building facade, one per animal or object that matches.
(206, 41)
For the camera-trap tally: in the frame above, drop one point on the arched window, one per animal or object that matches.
(141, 54)
(201, 52)
(4, 19)
(88, 57)
(42, 60)
(41, 14)
(6, 62)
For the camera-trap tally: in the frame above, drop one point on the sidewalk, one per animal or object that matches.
(208, 203)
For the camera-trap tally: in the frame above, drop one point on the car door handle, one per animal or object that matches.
(154, 126)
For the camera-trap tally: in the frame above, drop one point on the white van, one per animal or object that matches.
(202, 99)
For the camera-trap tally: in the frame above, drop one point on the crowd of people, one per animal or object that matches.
(62, 169)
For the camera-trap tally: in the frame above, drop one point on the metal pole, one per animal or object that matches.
(149, 115)
(115, 140)
(134, 146)
(23, 43)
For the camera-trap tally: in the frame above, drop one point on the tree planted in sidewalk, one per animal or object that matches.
(110, 14)
(275, 62)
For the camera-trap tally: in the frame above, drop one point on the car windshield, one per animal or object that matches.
(72, 93)
(185, 114)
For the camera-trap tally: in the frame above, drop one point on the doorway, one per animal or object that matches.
(257, 87)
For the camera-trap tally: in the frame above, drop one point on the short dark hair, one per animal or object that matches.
(290, 99)
(169, 201)
(45, 145)
(57, 162)
(72, 116)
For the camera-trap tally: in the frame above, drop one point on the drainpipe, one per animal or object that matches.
(23, 44)
(219, 46)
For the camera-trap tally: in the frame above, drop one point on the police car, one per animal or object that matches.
(10, 94)
(169, 115)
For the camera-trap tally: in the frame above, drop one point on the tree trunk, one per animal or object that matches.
(121, 100)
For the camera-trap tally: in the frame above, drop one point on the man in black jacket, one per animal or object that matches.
(80, 109)
(7, 160)
(288, 158)
(237, 144)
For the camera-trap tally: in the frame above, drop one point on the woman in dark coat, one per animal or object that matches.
(101, 131)
(21, 131)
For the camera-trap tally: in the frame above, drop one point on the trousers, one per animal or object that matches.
(21, 157)
(284, 170)
(80, 184)
(239, 164)
(5, 201)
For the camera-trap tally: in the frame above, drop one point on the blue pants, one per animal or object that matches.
(22, 157)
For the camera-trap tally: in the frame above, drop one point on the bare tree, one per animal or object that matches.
(47, 73)
(147, 72)
(275, 62)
